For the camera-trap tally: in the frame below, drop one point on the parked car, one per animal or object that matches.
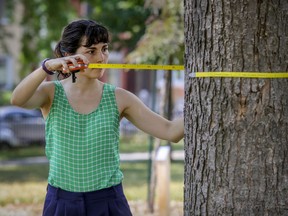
(21, 127)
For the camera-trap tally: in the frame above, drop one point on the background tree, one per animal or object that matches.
(236, 129)
(6, 15)
(162, 43)
(43, 22)
(125, 20)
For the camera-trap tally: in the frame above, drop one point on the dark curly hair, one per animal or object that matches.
(75, 33)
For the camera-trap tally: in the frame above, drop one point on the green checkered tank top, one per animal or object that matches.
(83, 149)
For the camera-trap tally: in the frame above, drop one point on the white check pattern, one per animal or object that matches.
(83, 149)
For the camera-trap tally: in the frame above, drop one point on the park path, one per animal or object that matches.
(124, 157)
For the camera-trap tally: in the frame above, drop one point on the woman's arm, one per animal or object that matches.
(132, 108)
(30, 93)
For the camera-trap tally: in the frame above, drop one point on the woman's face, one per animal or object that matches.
(97, 54)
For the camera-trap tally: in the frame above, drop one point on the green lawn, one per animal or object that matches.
(139, 143)
(27, 184)
(17, 153)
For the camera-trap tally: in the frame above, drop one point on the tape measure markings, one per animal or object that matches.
(195, 74)
(138, 66)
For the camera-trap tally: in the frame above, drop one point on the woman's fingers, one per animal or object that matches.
(69, 64)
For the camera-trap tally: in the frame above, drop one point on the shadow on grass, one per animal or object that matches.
(25, 184)
(22, 152)
(134, 173)
(137, 173)
(14, 174)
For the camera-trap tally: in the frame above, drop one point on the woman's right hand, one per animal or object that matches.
(67, 64)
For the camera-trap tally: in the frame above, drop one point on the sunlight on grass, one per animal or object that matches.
(136, 181)
(23, 184)
(23, 188)
(27, 184)
(22, 193)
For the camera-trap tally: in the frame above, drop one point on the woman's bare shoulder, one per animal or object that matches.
(125, 99)
(123, 94)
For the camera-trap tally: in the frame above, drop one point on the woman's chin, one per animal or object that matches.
(95, 73)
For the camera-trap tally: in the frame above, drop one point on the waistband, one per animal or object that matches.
(111, 192)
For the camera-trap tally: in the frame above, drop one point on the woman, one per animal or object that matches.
(82, 125)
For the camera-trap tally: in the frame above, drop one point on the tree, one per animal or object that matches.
(6, 11)
(43, 22)
(235, 128)
(125, 20)
(162, 43)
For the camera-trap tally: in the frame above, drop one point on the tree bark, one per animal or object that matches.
(236, 130)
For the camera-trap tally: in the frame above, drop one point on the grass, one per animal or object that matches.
(23, 184)
(17, 153)
(136, 180)
(141, 143)
(137, 143)
(27, 184)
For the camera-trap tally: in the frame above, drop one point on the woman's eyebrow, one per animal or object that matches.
(94, 47)
(91, 48)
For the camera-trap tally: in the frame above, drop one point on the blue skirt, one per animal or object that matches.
(106, 202)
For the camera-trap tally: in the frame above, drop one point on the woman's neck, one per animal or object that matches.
(82, 84)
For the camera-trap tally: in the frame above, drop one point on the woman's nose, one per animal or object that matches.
(100, 57)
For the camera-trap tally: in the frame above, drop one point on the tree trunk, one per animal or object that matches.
(236, 130)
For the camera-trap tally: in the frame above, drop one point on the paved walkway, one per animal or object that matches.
(124, 157)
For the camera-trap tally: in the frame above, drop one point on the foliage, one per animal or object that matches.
(125, 20)
(163, 40)
(5, 97)
(43, 22)
(42, 25)
(7, 17)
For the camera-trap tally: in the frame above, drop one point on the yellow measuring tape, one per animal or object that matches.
(195, 74)
(138, 66)
(240, 74)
